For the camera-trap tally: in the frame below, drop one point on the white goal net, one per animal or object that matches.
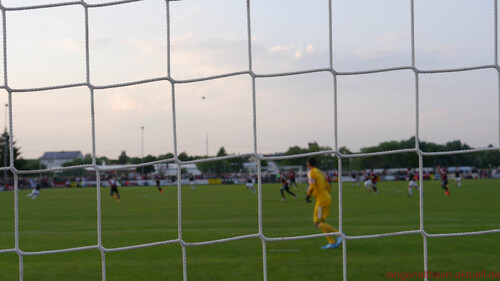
(255, 155)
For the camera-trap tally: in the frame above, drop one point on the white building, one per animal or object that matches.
(57, 159)
(170, 169)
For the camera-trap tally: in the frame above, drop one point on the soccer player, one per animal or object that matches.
(114, 188)
(354, 177)
(191, 182)
(371, 182)
(279, 176)
(292, 179)
(458, 178)
(35, 192)
(320, 189)
(285, 187)
(368, 183)
(444, 179)
(412, 183)
(250, 185)
(157, 179)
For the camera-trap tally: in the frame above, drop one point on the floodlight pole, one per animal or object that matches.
(142, 149)
(206, 145)
(5, 121)
(5, 143)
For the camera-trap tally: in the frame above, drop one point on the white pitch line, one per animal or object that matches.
(284, 250)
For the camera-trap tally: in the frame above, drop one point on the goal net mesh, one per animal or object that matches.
(258, 158)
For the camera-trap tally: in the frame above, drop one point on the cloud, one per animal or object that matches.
(151, 47)
(292, 50)
(228, 103)
(443, 49)
(66, 44)
(393, 37)
(119, 104)
(194, 57)
(278, 49)
(310, 48)
(376, 53)
(78, 45)
(386, 50)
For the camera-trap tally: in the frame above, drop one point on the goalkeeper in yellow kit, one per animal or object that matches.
(320, 189)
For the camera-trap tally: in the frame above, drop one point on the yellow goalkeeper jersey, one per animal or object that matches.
(319, 187)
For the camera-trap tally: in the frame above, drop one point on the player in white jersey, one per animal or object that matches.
(371, 182)
(191, 182)
(35, 192)
(249, 185)
(412, 183)
(458, 177)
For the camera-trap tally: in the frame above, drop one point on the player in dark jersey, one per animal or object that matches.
(285, 187)
(249, 185)
(374, 179)
(292, 179)
(191, 182)
(113, 188)
(354, 177)
(413, 181)
(444, 179)
(157, 180)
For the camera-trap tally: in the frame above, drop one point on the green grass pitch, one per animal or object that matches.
(64, 218)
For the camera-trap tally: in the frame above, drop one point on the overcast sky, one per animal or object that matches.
(128, 43)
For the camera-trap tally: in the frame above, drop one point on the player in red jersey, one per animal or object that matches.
(371, 182)
(444, 179)
(285, 187)
(293, 181)
(157, 180)
(113, 185)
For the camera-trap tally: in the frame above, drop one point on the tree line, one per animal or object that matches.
(326, 162)
(215, 167)
(400, 160)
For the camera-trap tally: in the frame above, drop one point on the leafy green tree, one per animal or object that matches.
(222, 152)
(87, 159)
(166, 156)
(78, 161)
(5, 151)
(237, 164)
(222, 166)
(32, 164)
(147, 169)
(347, 163)
(410, 160)
(123, 158)
(135, 160)
(325, 162)
(183, 156)
(294, 150)
(206, 167)
(150, 168)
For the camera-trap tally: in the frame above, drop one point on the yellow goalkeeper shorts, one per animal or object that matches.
(321, 213)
